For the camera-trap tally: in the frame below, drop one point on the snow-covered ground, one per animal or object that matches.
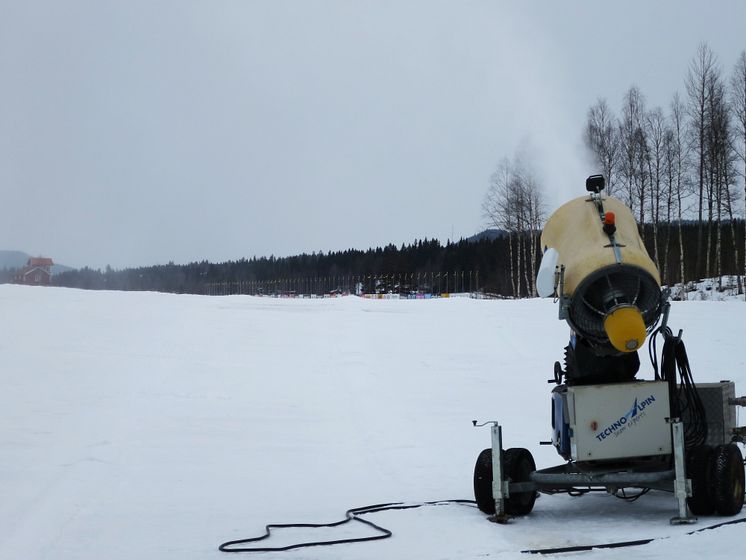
(153, 427)
(725, 288)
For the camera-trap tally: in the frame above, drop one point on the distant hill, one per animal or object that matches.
(489, 234)
(17, 259)
(13, 259)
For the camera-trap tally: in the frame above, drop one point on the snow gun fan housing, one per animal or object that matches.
(596, 263)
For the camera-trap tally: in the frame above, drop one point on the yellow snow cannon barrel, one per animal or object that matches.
(610, 287)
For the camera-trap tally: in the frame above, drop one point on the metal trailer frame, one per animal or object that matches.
(568, 476)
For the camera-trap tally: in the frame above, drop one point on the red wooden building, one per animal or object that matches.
(37, 272)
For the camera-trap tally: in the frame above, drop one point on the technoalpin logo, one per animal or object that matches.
(632, 417)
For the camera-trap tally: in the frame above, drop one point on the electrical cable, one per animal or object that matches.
(350, 515)
(585, 548)
(574, 492)
(634, 497)
(684, 397)
(693, 410)
(577, 492)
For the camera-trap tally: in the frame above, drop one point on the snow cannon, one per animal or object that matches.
(616, 432)
(597, 264)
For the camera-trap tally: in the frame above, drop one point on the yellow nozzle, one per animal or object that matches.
(625, 328)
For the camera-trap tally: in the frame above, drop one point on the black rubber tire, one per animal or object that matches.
(483, 482)
(699, 463)
(519, 464)
(728, 479)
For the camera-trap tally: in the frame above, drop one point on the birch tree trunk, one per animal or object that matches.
(738, 95)
(698, 88)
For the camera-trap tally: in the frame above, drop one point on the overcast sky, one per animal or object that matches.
(139, 132)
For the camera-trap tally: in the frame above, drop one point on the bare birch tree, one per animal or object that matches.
(698, 89)
(720, 170)
(655, 126)
(679, 172)
(634, 168)
(738, 100)
(602, 139)
(531, 212)
(497, 209)
(515, 203)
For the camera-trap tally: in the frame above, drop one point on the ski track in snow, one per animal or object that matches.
(156, 426)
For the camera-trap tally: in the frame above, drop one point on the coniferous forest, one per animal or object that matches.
(424, 266)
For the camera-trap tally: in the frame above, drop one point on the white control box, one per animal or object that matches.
(619, 421)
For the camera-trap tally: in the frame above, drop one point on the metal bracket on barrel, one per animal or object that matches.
(665, 308)
(564, 301)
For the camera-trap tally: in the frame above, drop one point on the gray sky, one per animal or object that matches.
(141, 131)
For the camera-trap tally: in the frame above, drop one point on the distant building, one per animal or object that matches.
(37, 272)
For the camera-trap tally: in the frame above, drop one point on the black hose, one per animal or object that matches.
(585, 548)
(684, 397)
(350, 515)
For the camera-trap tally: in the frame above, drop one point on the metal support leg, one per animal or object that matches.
(500, 490)
(682, 485)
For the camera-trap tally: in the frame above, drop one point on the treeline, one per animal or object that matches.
(425, 265)
(323, 272)
(679, 164)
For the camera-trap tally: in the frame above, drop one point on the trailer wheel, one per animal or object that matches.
(483, 482)
(519, 464)
(728, 479)
(699, 463)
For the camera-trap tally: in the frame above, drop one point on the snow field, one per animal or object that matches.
(155, 426)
